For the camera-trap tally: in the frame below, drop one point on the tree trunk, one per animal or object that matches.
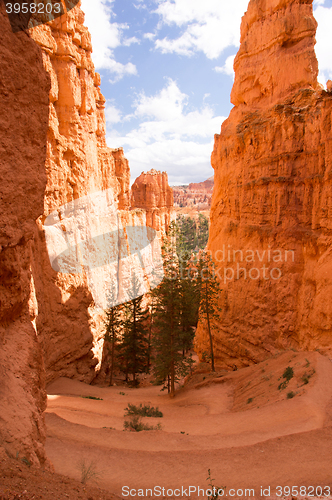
(209, 328)
(112, 357)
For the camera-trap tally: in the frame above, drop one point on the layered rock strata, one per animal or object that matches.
(24, 90)
(84, 176)
(152, 193)
(196, 194)
(271, 231)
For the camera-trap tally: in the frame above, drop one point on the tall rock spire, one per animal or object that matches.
(277, 53)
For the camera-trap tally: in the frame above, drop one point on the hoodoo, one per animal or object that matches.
(271, 231)
(152, 193)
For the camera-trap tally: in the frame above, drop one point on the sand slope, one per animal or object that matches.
(241, 426)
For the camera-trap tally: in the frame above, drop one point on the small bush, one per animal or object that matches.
(283, 385)
(290, 395)
(92, 397)
(288, 373)
(26, 461)
(215, 490)
(249, 400)
(135, 424)
(143, 410)
(88, 471)
(122, 393)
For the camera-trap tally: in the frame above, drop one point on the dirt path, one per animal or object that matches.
(242, 426)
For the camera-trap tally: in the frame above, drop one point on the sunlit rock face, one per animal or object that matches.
(271, 230)
(24, 93)
(86, 208)
(152, 193)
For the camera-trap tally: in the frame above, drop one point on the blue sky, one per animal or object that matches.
(166, 69)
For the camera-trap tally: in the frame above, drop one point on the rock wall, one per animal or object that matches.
(271, 231)
(24, 89)
(78, 163)
(152, 193)
(196, 194)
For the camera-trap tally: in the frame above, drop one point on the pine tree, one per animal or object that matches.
(134, 348)
(170, 364)
(207, 294)
(113, 326)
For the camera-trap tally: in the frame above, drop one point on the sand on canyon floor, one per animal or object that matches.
(252, 428)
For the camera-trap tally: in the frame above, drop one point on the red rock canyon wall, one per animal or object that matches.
(271, 230)
(24, 89)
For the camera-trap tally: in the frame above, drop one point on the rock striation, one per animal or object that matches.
(24, 89)
(79, 165)
(271, 231)
(196, 194)
(152, 193)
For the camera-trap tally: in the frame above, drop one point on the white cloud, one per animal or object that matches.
(208, 25)
(170, 136)
(112, 114)
(106, 36)
(227, 68)
(323, 47)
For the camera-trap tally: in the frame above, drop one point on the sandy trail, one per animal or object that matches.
(274, 441)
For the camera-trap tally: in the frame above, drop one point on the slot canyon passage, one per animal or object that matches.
(263, 418)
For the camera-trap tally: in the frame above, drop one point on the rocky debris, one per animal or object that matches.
(271, 232)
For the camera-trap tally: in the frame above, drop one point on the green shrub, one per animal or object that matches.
(135, 424)
(92, 397)
(290, 395)
(288, 373)
(249, 400)
(143, 410)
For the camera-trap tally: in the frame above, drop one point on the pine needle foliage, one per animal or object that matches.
(113, 327)
(169, 342)
(134, 348)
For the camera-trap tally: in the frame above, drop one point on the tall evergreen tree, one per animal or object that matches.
(113, 324)
(134, 349)
(207, 294)
(168, 341)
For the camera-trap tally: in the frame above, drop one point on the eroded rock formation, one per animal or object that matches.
(24, 89)
(196, 194)
(152, 193)
(271, 231)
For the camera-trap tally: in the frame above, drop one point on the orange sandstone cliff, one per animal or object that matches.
(152, 193)
(78, 164)
(271, 230)
(24, 89)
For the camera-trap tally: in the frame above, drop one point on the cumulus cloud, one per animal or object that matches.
(106, 36)
(323, 47)
(227, 68)
(208, 26)
(170, 136)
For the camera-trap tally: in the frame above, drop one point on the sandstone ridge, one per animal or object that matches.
(271, 232)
